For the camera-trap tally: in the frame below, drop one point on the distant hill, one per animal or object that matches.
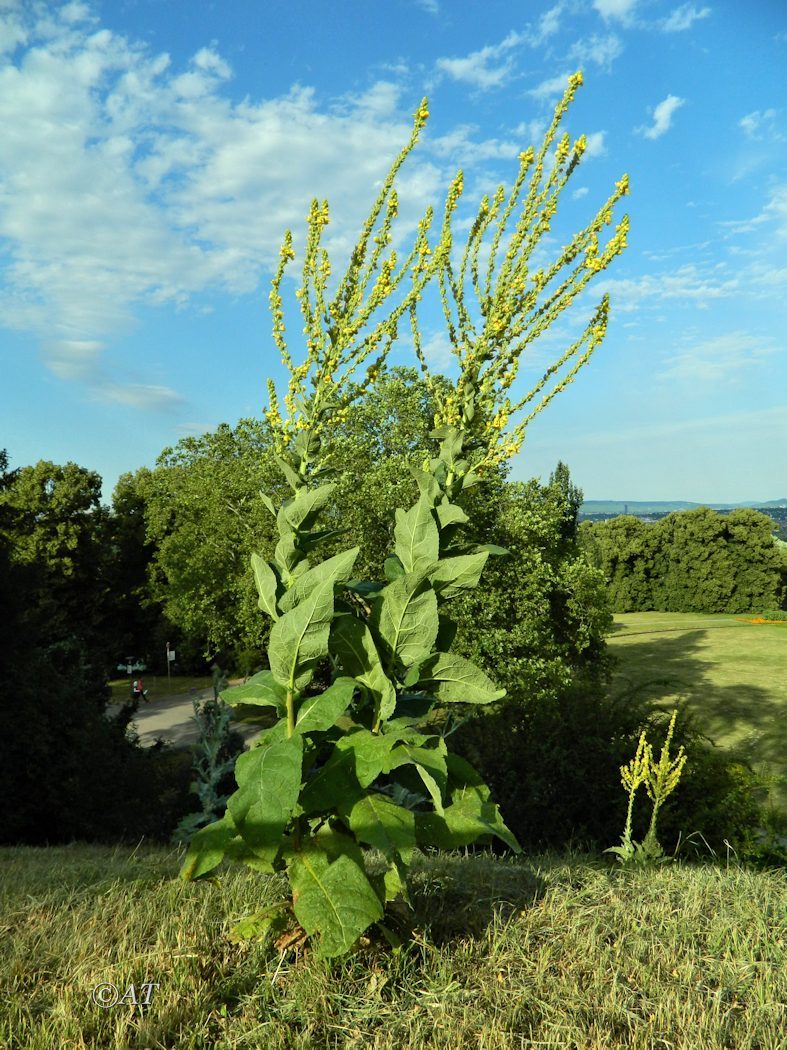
(639, 507)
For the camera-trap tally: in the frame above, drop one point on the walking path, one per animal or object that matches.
(172, 720)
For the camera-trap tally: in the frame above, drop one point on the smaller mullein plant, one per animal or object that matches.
(212, 762)
(659, 779)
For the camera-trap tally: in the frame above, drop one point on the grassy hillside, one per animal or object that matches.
(731, 673)
(553, 951)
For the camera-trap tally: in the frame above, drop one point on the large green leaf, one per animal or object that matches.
(261, 690)
(267, 585)
(429, 764)
(318, 713)
(207, 848)
(333, 783)
(299, 640)
(337, 569)
(451, 576)
(379, 822)
(450, 514)
(405, 618)
(301, 512)
(269, 780)
(417, 538)
(352, 642)
(334, 900)
(452, 679)
(371, 753)
(467, 819)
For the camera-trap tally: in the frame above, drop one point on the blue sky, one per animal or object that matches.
(154, 151)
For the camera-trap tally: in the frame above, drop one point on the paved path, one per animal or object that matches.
(173, 720)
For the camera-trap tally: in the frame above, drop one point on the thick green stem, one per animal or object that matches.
(290, 712)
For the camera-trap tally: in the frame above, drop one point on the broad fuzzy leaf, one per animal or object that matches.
(450, 514)
(337, 569)
(405, 618)
(352, 642)
(207, 848)
(371, 753)
(417, 537)
(302, 512)
(267, 585)
(269, 781)
(378, 822)
(467, 819)
(333, 784)
(335, 901)
(452, 679)
(430, 765)
(454, 575)
(393, 568)
(318, 713)
(300, 638)
(261, 690)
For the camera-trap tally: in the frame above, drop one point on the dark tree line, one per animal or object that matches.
(690, 561)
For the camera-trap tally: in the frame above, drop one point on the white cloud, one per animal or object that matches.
(773, 216)
(432, 7)
(662, 117)
(128, 182)
(603, 50)
(718, 359)
(621, 10)
(489, 67)
(689, 283)
(760, 125)
(579, 193)
(595, 145)
(552, 88)
(683, 18)
(458, 146)
(148, 396)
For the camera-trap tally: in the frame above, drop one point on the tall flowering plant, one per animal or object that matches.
(358, 764)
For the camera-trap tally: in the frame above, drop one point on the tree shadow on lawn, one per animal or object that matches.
(742, 718)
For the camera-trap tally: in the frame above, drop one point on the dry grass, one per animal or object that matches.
(549, 951)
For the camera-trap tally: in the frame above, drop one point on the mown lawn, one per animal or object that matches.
(546, 951)
(159, 687)
(732, 674)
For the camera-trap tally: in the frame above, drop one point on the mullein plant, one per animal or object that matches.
(357, 765)
(659, 779)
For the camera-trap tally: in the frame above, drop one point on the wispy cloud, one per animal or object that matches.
(689, 283)
(662, 117)
(551, 88)
(718, 359)
(489, 67)
(761, 124)
(148, 396)
(579, 193)
(773, 216)
(683, 18)
(621, 10)
(432, 7)
(602, 50)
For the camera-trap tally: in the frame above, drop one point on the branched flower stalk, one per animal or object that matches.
(514, 303)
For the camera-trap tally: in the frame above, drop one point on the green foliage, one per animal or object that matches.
(353, 765)
(543, 614)
(690, 561)
(213, 761)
